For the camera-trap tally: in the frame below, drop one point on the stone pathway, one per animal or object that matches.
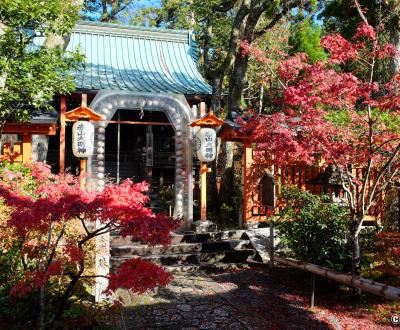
(244, 299)
(191, 301)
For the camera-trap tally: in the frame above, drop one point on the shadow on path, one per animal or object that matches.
(245, 299)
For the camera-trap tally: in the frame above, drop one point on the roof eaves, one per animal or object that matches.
(132, 31)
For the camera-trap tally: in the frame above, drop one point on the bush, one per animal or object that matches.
(387, 256)
(314, 229)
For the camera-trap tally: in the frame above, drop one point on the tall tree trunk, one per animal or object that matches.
(395, 40)
(356, 250)
(217, 92)
(212, 192)
(237, 83)
(2, 123)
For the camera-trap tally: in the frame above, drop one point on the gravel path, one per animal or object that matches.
(246, 299)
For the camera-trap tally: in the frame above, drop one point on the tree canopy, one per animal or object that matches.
(341, 112)
(31, 71)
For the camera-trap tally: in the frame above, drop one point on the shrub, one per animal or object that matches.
(387, 256)
(314, 229)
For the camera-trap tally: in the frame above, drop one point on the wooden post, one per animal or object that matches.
(84, 100)
(83, 163)
(63, 108)
(203, 109)
(149, 155)
(271, 244)
(26, 147)
(203, 187)
(313, 291)
(247, 162)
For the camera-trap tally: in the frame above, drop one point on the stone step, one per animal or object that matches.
(145, 250)
(167, 260)
(183, 268)
(207, 267)
(224, 266)
(123, 241)
(238, 256)
(187, 237)
(225, 245)
(210, 236)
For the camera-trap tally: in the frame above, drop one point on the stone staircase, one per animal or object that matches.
(189, 251)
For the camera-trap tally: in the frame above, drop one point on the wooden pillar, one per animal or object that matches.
(63, 108)
(26, 147)
(203, 191)
(247, 188)
(83, 171)
(203, 109)
(149, 155)
(84, 100)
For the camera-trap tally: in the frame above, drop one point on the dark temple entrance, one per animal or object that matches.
(141, 146)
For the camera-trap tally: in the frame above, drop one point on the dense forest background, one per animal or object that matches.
(278, 27)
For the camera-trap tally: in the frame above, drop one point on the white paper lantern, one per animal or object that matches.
(205, 144)
(82, 139)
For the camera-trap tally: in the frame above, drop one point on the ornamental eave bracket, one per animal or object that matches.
(208, 120)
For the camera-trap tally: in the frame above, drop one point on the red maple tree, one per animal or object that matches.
(43, 207)
(342, 111)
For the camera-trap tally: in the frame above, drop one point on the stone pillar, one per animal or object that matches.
(102, 263)
(176, 108)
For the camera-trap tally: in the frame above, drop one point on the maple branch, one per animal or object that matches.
(382, 171)
(84, 225)
(276, 76)
(386, 142)
(346, 189)
(370, 123)
(365, 183)
(68, 291)
(53, 252)
(360, 12)
(363, 61)
(384, 186)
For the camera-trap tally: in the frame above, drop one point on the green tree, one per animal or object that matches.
(34, 65)
(263, 87)
(306, 38)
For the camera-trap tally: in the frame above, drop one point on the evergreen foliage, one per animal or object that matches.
(315, 230)
(306, 38)
(32, 74)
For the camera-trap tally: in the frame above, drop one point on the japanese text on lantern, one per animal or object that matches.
(82, 139)
(205, 144)
(80, 134)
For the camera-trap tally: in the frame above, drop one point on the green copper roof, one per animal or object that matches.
(137, 59)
